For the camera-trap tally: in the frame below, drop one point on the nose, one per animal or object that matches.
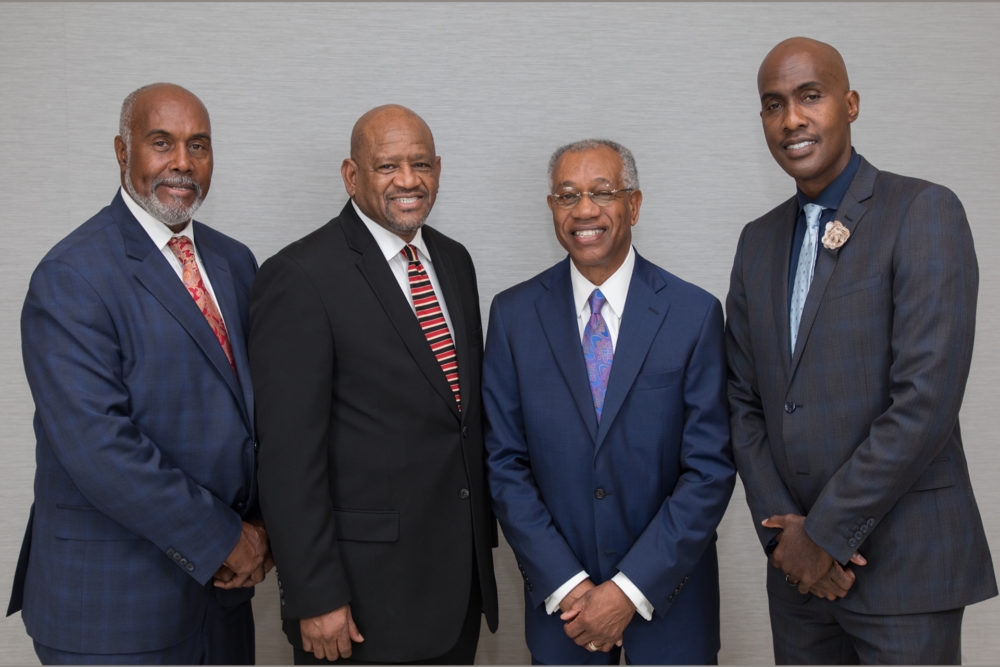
(794, 118)
(180, 160)
(585, 208)
(406, 177)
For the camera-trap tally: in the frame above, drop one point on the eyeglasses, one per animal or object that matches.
(570, 198)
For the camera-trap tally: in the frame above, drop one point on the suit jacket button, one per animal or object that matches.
(463, 494)
(190, 567)
(870, 523)
(858, 535)
(600, 493)
(852, 543)
(790, 407)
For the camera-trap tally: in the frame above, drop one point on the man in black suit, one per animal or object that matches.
(366, 352)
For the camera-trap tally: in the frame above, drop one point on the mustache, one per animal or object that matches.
(179, 181)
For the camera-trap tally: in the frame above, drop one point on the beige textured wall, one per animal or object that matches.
(501, 84)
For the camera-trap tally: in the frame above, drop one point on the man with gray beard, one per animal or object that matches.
(144, 540)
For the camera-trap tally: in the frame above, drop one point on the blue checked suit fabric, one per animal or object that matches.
(804, 270)
(598, 351)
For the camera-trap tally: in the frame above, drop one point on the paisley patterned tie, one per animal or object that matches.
(598, 351)
(183, 250)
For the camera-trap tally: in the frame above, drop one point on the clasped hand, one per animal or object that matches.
(805, 564)
(597, 614)
(249, 560)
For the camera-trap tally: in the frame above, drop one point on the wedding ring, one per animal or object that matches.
(591, 647)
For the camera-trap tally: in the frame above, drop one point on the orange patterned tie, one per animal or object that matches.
(432, 321)
(184, 251)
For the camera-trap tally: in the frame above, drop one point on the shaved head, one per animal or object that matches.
(374, 122)
(821, 53)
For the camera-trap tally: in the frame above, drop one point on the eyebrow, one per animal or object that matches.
(200, 136)
(798, 88)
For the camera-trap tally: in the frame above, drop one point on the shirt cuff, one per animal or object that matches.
(552, 602)
(632, 592)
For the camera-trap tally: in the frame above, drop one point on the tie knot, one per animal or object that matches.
(181, 247)
(596, 301)
(813, 211)
(410, 253)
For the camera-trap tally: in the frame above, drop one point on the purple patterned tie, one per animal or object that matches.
(598, 351)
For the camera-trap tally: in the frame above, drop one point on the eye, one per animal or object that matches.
(385, 167)
(421, 166)
(160, 143)
(770, 106)
(602, 197)
(197, 147)
(566, 199)
(811, 97)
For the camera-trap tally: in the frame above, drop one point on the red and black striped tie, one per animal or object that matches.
(432, 320)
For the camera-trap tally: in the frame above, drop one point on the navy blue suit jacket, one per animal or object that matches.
(145, 445)
(642, 491)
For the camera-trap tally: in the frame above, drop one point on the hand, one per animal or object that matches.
(804, 562)
(249, 560)
(600, 615)
(567, 602)
(329, 636)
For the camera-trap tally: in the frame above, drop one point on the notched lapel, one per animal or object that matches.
(555, 312)
(376, 271)
(155, 274)
(645, 311)
(852, 209)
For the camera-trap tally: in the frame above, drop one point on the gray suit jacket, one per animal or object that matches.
(858, 428)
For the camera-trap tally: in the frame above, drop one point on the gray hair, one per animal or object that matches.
(630, 175)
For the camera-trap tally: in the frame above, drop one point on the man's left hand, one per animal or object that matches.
(803, 561)
(600, 616)
(249, 560)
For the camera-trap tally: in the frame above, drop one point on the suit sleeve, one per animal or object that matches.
(766, 492)
(74, 364)
(935, 280)
(292, 361)
(676, 537)
(544, 558)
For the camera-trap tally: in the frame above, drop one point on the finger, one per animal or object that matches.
(353, 631)
(344, 645)
(569, 615)
(776, 521)
(858, 559)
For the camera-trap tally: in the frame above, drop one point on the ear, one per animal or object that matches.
(349, 172)
(437, 167)
(853, 105)
(635, 203)
(121, 153)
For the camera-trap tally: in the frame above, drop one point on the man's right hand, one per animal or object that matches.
(329, 636)
(567, 602)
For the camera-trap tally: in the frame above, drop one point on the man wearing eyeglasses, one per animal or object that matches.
(608, 442)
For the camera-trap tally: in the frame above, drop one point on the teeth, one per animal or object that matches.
(801, 144)
(587, 233)
(406, 200)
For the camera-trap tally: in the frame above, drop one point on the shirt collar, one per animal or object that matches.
(157, 231)
(614, 289)
(389, 243)
(832, 194)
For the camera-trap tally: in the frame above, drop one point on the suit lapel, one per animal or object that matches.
(645, 310)
(447, 278)
(559, 322)
(155, 274)
(376, 271)
(781, 245)
(221, 277)
(852, 210)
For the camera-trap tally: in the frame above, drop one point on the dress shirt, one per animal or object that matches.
(829, 199)
(161, 235)
(391, 246)
(615, 291)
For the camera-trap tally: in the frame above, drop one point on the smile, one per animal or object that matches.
(800, 145)
(587, 233)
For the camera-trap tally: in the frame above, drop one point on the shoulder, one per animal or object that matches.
(444, 244)
(678, 289)
(79, 245)
(534, 287)
(892, 187)
(769, 221)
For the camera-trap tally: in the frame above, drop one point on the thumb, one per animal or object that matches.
(775, 521)
(352, 629)
(858, 559)
(569, 615)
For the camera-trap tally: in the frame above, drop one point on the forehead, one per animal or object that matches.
(400, 134)
(791, 69)
(593, 165)
(171, 111)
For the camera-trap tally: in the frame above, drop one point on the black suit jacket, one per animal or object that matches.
(372, 482)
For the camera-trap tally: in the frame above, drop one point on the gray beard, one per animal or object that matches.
(171, 216)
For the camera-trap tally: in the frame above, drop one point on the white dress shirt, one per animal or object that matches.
(615, 291)
(161, 235)
(391, 246)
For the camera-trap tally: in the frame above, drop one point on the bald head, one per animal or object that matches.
(824, 56)
(151, 92)
(374, 123)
